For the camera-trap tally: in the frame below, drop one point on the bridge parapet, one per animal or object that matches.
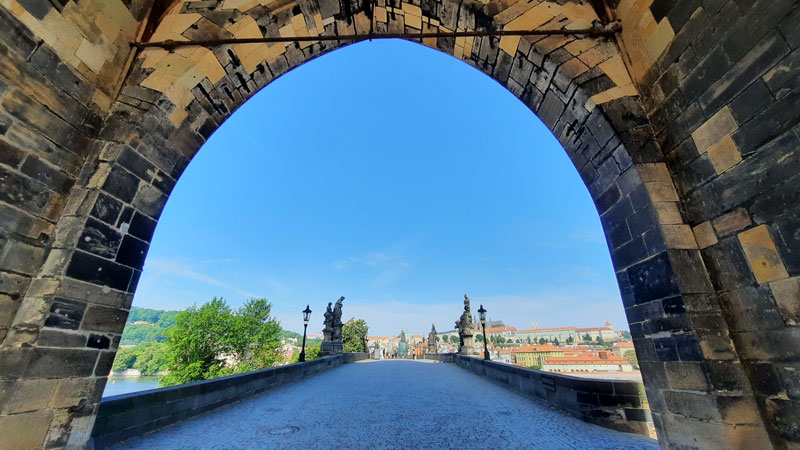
(124, 416)
(616, 404)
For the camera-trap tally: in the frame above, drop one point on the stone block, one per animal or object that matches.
(29, 395)
(85, 267)
(690, 376)
(765, 54)
(60, 339)
(61, 363)
(65, 313)
(712, 131)
(754, 99)
(121, 184)
(762, 255)
(704, 235)
(20, 257)
(150, 200)
(653, 279)
(107, 209)
(99, 239)
(727, 265)
(724, 154)
(92, 293)
(132, 252)
(101, 318)
(36, 425)
(47, 175)
(104, 363)
(787, 297)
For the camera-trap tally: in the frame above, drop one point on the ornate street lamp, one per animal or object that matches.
(306, 317)
(482, 312)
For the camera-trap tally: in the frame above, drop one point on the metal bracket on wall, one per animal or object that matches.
(596, 30)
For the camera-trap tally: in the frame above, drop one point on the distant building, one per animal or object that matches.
(619, 348)
(506, 332)
(535, 355)
(564, 333)
(603, 361)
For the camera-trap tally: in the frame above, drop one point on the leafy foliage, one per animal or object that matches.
(216, 340)
(152, 331)
(312, 352)
(354, 335)
(630, 355)
(149, 358)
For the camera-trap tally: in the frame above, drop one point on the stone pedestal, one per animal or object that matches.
(329, 346)
(469, 345)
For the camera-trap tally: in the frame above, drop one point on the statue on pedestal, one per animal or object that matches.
(332, 331)
(402, 346)
(465, 330)
(432, 338)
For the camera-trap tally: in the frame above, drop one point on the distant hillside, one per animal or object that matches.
(146, 325)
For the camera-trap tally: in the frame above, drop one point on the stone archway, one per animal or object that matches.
(95, 137)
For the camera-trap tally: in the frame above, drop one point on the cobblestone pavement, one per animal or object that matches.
(388, 405)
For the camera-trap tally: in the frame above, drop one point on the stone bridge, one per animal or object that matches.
(390, 404)
(683, 127)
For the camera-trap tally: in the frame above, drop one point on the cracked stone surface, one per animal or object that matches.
(388, 405)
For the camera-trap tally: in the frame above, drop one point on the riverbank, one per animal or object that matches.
(124, 384)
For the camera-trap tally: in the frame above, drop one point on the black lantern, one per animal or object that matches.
(482, 313)
(306, 317)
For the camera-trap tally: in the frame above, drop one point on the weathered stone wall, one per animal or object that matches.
(124, 416)
(721, 89)
(694, 179)
(616, 404)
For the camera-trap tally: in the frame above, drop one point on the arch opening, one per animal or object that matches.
(683, 287)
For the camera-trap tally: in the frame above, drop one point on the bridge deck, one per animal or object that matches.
(388, 405)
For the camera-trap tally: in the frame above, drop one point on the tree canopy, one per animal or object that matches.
(312, 352)
(216, 340)
(354, 335)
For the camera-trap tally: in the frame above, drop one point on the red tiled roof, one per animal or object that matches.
(538, 348)
(585, 359)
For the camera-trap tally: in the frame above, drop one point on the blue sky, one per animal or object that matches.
(398, 177)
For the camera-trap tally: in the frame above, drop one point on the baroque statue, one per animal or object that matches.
(465, 330)
(332, 330)
(432, 338)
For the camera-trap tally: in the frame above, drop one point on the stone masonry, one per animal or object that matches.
(684, 129)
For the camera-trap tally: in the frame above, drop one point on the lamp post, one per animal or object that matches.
(306, 316)
(482, 312)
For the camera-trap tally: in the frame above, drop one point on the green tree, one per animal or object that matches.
(587, 338)
(215, 340)
(599, 339)
(542, 341)
(479, 337)
(570, 340)
(312, 352)
(151, 358)
(555, 342)
(630, 355)
(529, 339)
(354, 335)
(125, 359)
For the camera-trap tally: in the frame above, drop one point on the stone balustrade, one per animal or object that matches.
(616, 404)
(124, 416)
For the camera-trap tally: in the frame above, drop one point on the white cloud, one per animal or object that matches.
(156, 268)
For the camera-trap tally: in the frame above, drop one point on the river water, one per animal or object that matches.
(124, 385)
